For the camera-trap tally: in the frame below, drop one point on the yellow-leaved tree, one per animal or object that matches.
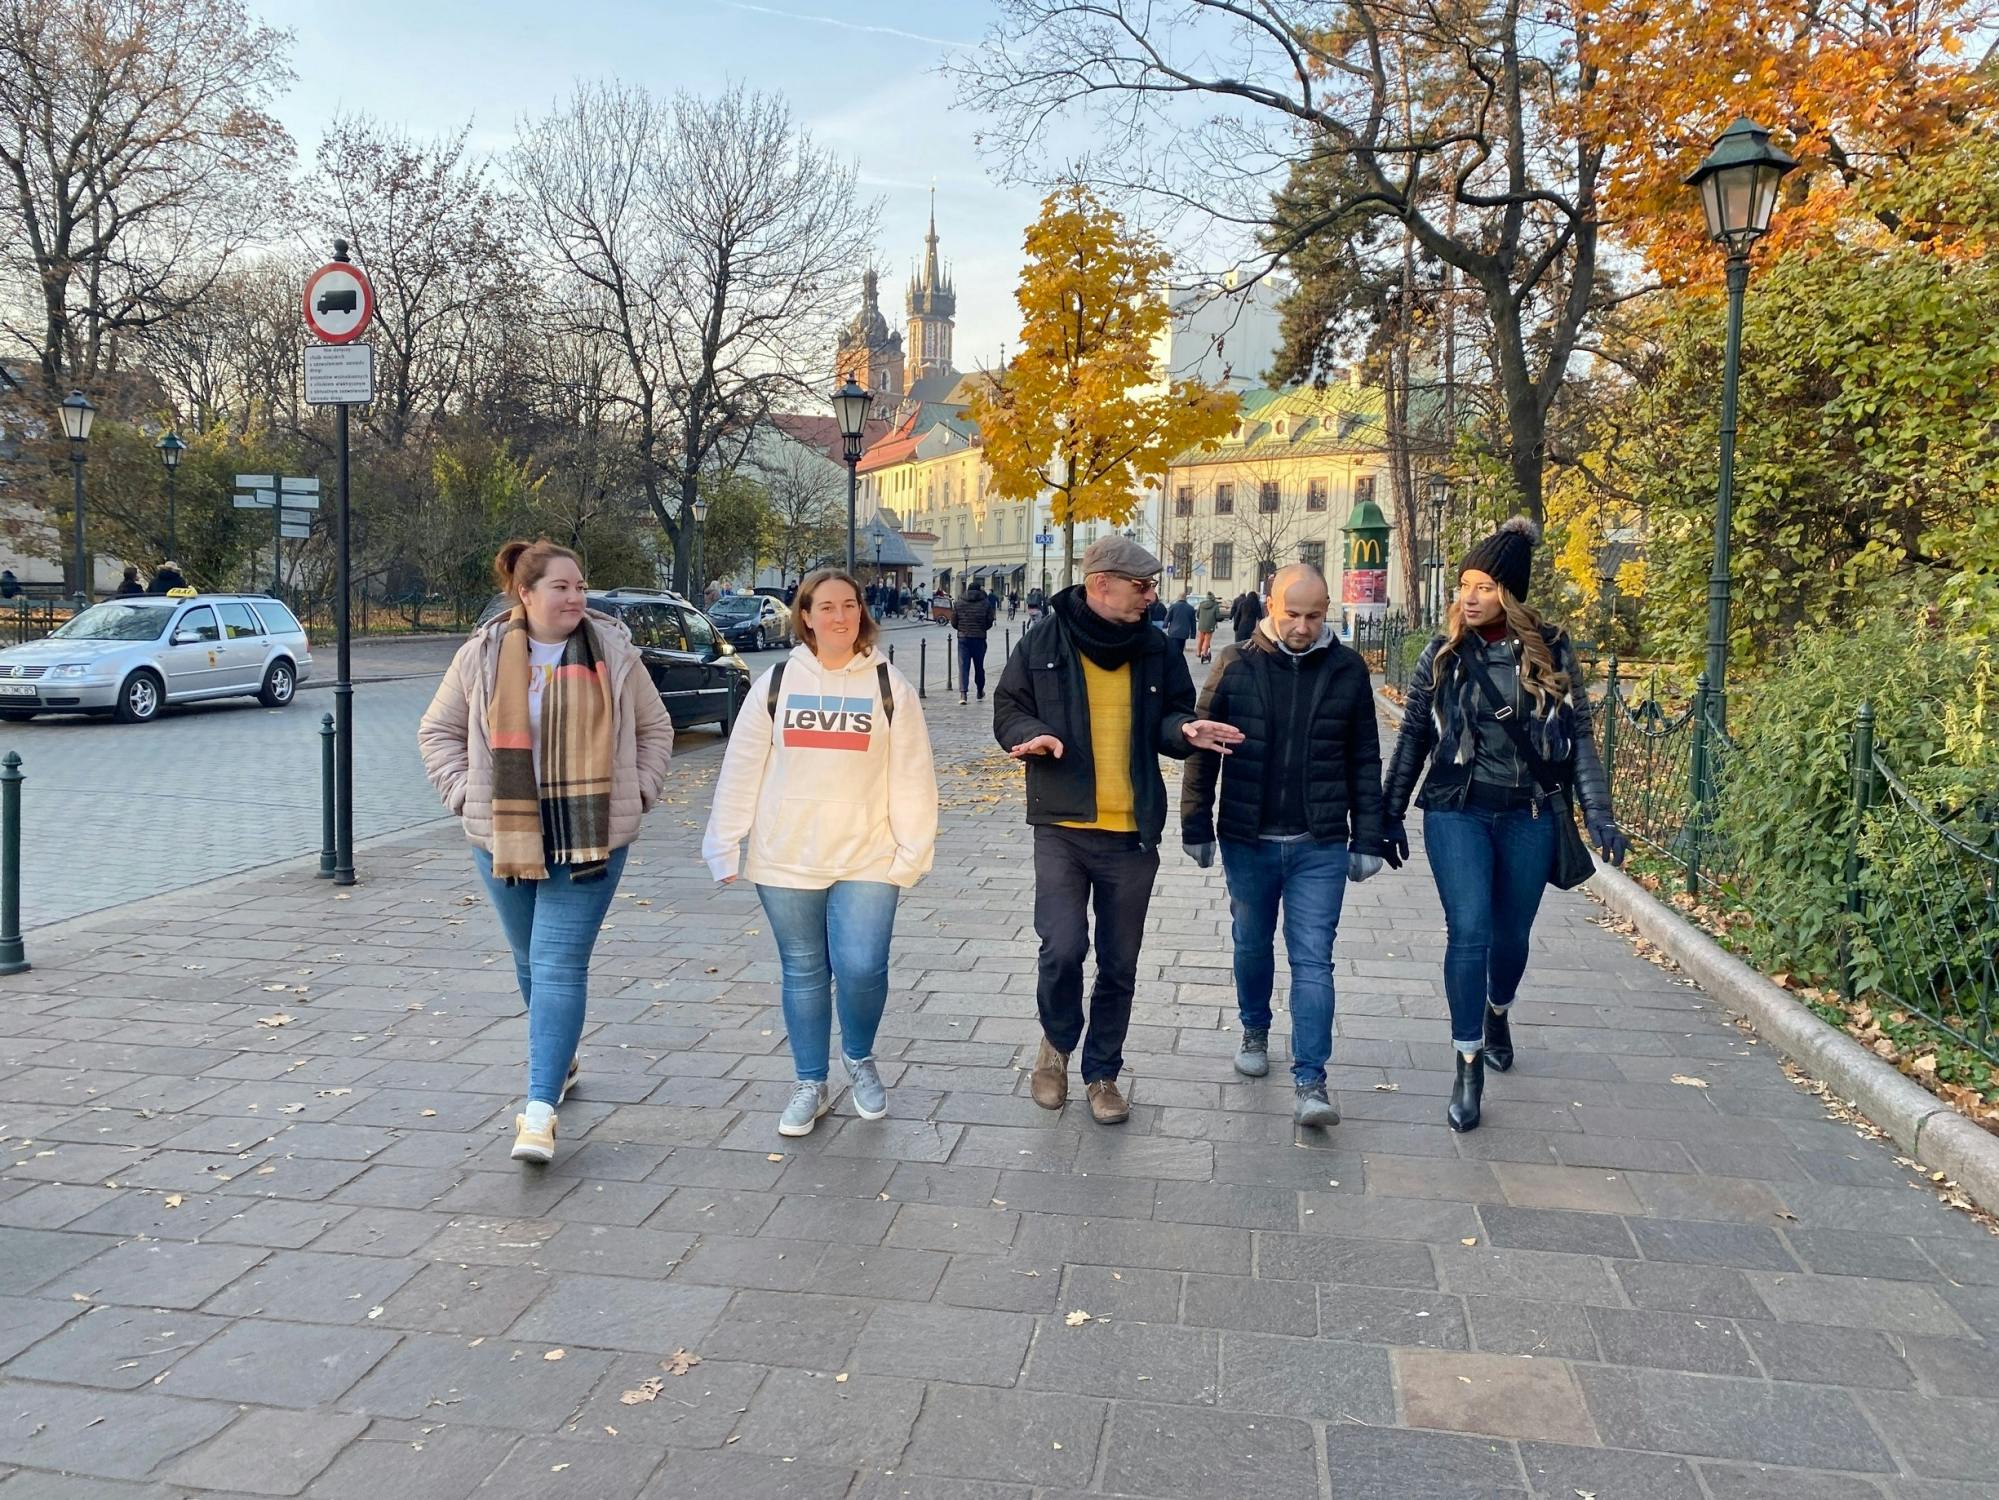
(1082, 411)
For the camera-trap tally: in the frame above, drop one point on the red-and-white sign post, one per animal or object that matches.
(339, 305)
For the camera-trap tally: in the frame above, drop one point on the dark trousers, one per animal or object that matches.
(971, 653)
(1072, 868)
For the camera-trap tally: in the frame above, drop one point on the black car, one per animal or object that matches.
(751, 622)
(699, 676)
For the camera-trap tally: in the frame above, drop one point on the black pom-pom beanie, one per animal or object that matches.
(1507, 556)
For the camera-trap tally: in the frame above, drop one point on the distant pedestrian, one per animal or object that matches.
(1207, 615)
(129, 584)
(1496, 724)
(1244, 614)
(1300, 817)
(972, 618)
(10, 586)
(549, 740)
(790, 591)
(1012, 604)
(1090, 699)
(166, 578)
(828, 777)
(1180, 622)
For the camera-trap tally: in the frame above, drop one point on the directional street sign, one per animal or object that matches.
(339, 374)
(299, 531)
(338, 302)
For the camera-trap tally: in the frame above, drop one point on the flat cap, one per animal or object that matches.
(1119, 554)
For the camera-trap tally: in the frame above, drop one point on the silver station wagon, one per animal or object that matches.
(131, 657)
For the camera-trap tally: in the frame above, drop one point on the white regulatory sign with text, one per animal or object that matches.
(339, 374)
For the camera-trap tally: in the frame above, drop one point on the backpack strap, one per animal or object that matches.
(770, 698)
(887, 692)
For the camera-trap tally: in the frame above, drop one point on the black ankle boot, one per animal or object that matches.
(1499, 1038)
(1467, 1092)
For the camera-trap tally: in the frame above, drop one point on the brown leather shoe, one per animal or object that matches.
(1106, 1103)
(1050, 1086)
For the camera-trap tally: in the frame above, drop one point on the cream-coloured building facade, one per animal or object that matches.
(1276, 490)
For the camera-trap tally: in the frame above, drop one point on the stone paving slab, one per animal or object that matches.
(259, 1234)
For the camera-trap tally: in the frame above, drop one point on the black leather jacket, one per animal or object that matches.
(1438, 732)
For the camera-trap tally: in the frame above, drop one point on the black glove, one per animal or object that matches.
(1394, 842)
(1609, 839)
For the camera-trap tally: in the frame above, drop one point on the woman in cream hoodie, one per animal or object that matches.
(829, 779)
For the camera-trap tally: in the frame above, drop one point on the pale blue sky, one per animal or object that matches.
(864, 82)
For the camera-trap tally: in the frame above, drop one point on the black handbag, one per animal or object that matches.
(1572, 863)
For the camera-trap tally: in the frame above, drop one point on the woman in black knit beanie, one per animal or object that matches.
(1488, 828)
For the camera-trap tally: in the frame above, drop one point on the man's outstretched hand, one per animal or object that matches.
(1041, 744)
(1211, 734)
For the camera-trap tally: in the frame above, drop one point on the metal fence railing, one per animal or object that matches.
(1870, 887)
(24, 619)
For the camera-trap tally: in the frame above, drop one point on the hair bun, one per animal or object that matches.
(1522, 526)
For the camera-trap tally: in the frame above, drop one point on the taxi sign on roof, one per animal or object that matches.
(182, 593)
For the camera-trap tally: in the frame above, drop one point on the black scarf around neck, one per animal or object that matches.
(1106, 642)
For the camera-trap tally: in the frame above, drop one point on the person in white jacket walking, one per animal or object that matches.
(828, 776)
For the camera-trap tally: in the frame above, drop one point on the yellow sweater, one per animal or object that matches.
(1110, 744)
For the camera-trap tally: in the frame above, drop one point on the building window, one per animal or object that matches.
(1315, 494)
(1183, 561)
(1313, 554)
(1223, 566)
(1224, 499)
(1183, 500)
(1266, 497)
(1363, 489)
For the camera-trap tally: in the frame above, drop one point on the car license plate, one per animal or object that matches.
(17, 690)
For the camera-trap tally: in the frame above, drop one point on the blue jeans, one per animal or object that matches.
(551, 925)
(1309, 879)
(1491, 867)
(838, 934)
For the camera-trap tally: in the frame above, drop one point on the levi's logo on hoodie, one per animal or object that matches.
(816, 723)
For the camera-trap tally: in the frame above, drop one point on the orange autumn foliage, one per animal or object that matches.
(1853, 90)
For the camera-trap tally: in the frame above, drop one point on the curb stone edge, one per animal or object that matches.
(1926, 1128)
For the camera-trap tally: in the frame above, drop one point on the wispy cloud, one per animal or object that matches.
(788, 15)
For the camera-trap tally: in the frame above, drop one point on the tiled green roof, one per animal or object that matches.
(1333, 419)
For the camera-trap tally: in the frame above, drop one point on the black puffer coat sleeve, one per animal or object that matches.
(1204, 767)
(1413, 744)
(1592, 786)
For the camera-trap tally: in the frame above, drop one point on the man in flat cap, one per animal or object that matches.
(1090, 699)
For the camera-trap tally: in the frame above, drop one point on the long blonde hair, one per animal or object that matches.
(1548, 685)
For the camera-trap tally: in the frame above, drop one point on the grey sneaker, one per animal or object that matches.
(870, 1098)
(1313, 1107)
(809, 1101)
(1252, 1058)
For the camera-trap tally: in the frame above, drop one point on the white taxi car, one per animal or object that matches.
(132, 656)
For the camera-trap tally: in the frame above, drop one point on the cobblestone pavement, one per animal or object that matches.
(259, 1233)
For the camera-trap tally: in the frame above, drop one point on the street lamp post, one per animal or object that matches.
(171, 448)
(1738, 188)
(965, 572)
(700, 510)
(878, 562)
(77, 415)
(850, 409)
(1440, 494)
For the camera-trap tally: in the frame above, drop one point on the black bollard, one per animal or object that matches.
(13, 956)
(329, 859)
(891, 653)
(949, 640)
(923, 669)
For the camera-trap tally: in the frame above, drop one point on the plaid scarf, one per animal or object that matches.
(566, 817)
